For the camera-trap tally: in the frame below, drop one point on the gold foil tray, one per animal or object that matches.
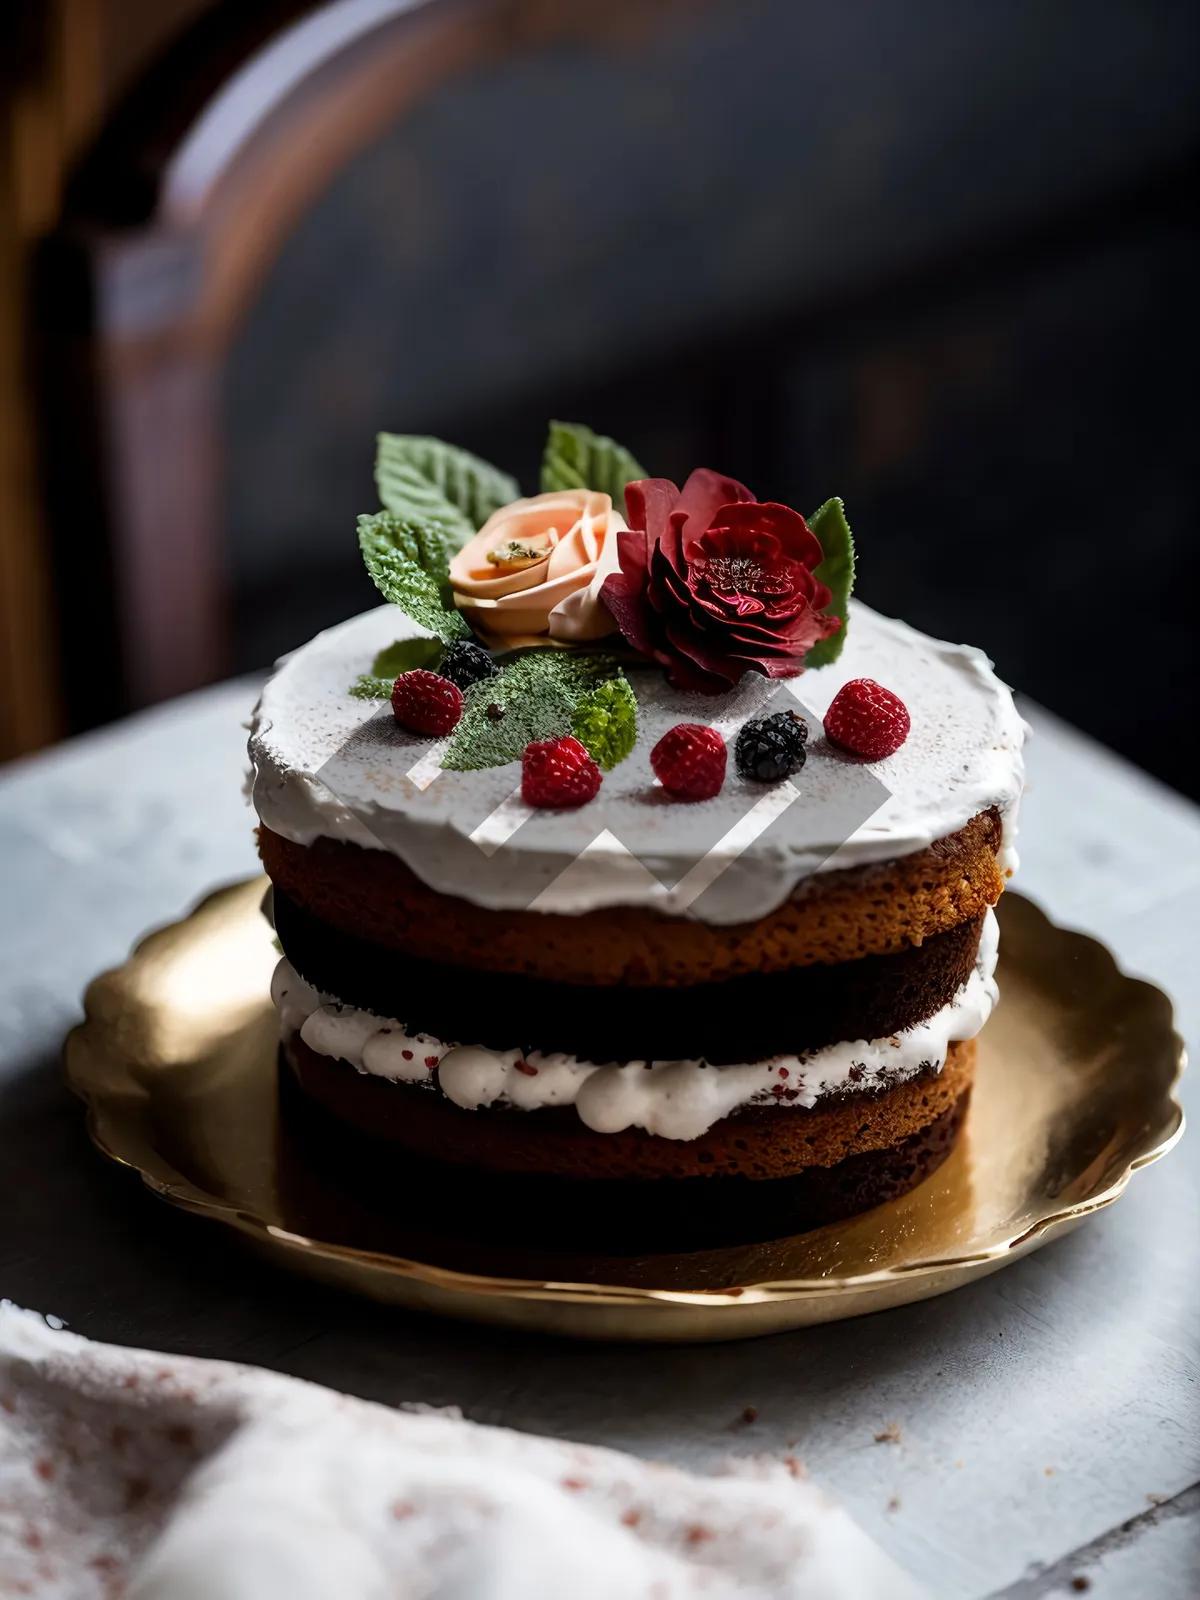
(177, 1063)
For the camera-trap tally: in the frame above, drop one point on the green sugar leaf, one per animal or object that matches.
(368, 687)
(407, 560)
(836, 572)
(428, 544)
(403, 656)
(406, 655)
(435, 482)
(577, 458)
(537, 692)
(605, 722)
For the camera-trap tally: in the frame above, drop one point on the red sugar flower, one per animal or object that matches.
(714, 584)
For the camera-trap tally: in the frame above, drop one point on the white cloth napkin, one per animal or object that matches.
(152, 1477)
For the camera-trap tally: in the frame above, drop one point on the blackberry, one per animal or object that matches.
(465, 663)
(770, 749)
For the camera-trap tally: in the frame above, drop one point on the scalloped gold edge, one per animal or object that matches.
(187, 1197)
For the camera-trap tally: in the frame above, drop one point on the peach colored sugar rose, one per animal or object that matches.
(536, 567)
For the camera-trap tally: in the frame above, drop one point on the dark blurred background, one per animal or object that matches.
(939, 258)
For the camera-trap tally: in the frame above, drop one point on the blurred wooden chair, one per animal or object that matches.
(931, 266)
(168, 231)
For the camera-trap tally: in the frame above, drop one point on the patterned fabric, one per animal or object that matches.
(124, 1472)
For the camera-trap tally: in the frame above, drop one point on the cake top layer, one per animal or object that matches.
(329, 765)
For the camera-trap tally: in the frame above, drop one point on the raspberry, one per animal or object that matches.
(465, 663)
(689, 761)
(423, 702)
(558, 772)
(867, 719)
(770, 749)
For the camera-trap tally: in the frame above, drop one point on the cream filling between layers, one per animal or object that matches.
(672, 1099)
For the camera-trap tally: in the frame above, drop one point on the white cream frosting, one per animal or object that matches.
(673, 1099)
(328, 765)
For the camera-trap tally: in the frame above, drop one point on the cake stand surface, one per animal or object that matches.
(176, 1061)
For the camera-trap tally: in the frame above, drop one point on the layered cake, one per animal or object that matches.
(623, 867)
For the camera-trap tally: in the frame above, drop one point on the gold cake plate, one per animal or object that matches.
(1077, 1069)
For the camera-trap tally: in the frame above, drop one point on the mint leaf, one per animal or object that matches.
(538, 693)
(427, 543)
(407, 559)
(577, 458)
(405, 656)
(435, 482)
(368, 687)
(605, 722)
(836, 572)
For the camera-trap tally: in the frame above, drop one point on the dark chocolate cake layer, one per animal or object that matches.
(618, 1216)
(748, 1018)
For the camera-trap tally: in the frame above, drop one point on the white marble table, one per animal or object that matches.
(1049, 1415)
